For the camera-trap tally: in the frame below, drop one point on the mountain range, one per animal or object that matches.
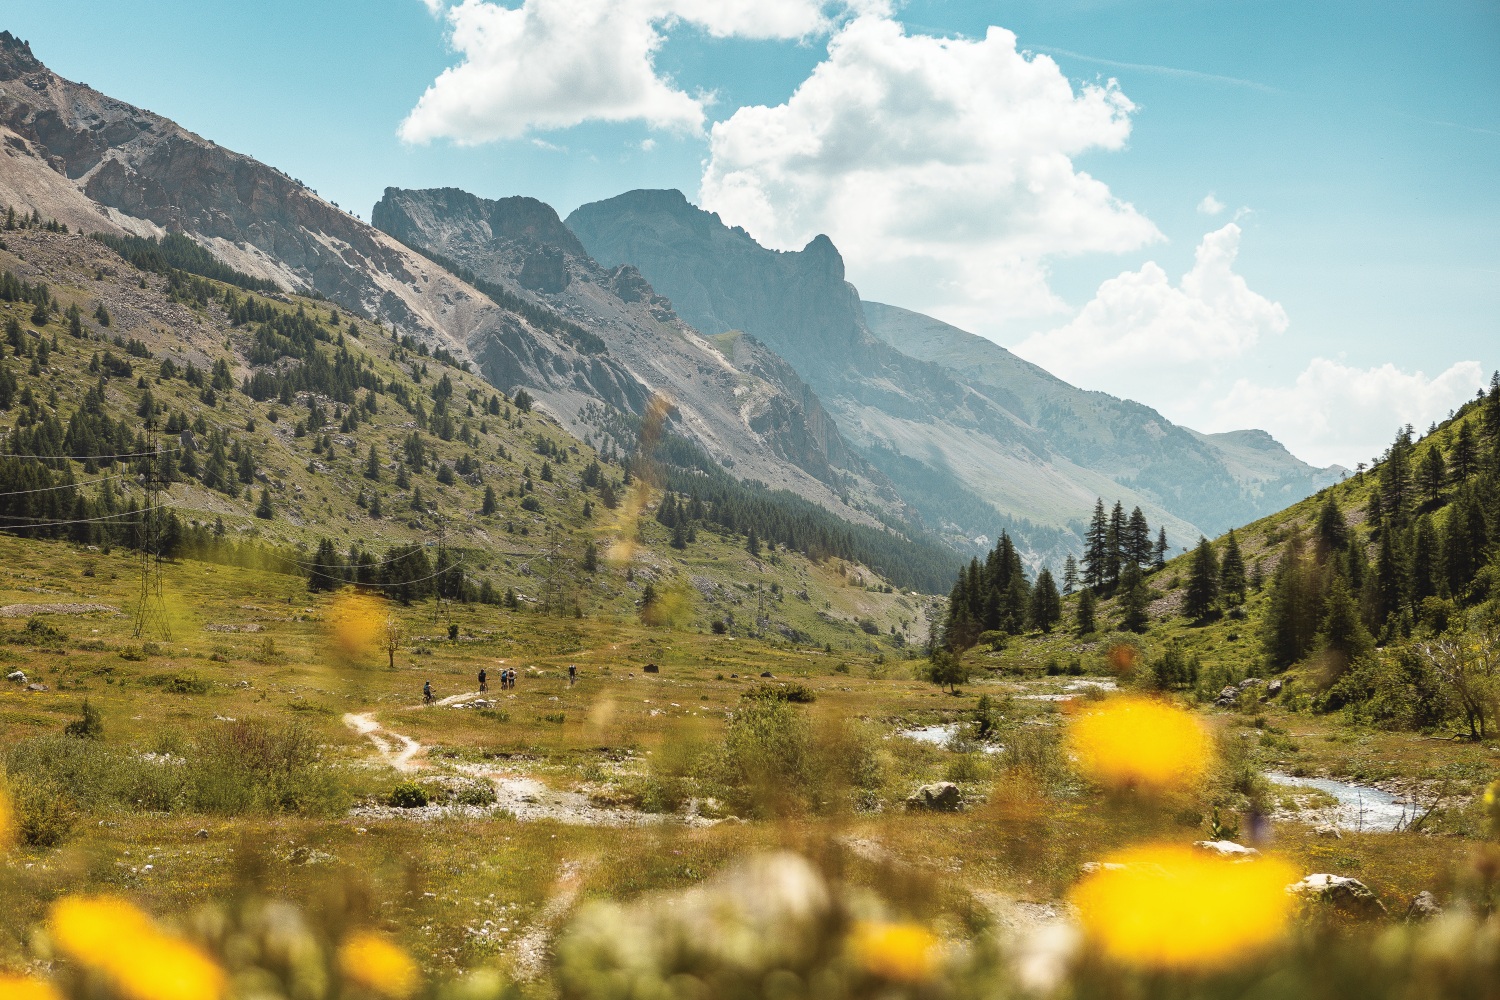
(766, 365)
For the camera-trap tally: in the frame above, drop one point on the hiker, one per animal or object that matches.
(484, 684)
(511, 678)
(427, 693)
(572, 673)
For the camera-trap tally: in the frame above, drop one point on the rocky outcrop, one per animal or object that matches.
(1348, 896)
(732, 395)
(974, 437)
(942, 796)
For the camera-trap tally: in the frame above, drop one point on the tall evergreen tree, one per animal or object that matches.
(1135, 599)
(1396, 481)
(1464, 461)
(1232, 581)
(1096, 548)
(326, 571)
(1138, 539)
(1342, 637)
(1159, 554)
(1046, 605)
(1432, 475)
(1426, 560)
(1292, 608)
(1203, 582)
(1070, 575)
(264, 510)
(1115, 539)
(1331, 535)
(1087, 611)
(372, 465)
(1388, 594)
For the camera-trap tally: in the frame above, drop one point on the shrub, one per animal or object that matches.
(254, 766)
(794, 691)
(90, 725)
(407, 795)
(180, 682)
(1035, 753)
(765, 757)
(475, 793)
(44, 812)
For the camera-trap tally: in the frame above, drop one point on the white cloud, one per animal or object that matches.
(1337, 413)
(647, 145)
(552, 64)
(941, 167)
(1139, 326)
(1211, 205)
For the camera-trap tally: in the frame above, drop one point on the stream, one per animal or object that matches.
(1360, 807)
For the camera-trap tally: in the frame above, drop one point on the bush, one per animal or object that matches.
(254, 766)
(44, 812)
(765, 757)
(180, 682)
(475, 793)
(1035, 753)
(407, 795)
(90, 726)
(795, 691)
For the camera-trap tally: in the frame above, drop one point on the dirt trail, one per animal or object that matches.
(523, 796)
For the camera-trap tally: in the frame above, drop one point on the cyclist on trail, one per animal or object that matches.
(484, 684)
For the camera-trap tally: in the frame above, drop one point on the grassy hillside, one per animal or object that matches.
(273, 405)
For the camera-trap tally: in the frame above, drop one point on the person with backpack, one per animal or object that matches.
(484, 684)
(572, 673)
(427, 693)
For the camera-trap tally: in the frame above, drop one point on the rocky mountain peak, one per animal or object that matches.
(16, 58)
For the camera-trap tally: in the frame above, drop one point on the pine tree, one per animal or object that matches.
(1332, 532)
(1096, 548)
(1426, 560)
(375, 510)
(1464, 461)
(1464, 540)
(1232, 580)
(752, 543)
(1159, 553)
(591, 557)
(372, 465)
(1342, 638)
(1432, 476)
(1114, 544)
(327, 570)
(1292, 610)
(1138, 534)
(1391, 578)
(1203, 582)
(1395, 491)
(1046, 605)
(1087, 609)
(679, 537)
(263, 510)
(490, 503)
(1070, 574)
(1135, 599)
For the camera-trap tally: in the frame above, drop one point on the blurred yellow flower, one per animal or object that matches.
(1133, 741)
(7, 819)
(24, 988)
(1492, 806)
(903, 953)
(356, 625)
(1175, 907)
(375, 963)
(117, 939)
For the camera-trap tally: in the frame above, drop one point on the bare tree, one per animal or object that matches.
(1466, 661)
(393, 636)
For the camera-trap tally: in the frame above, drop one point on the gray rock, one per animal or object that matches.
(36, 687)
(1228, 698)
(16, 677)
(1424, 907)
(1329, 830)
(1227, 849)
(941, 796)
(1349, 896)
(1273, 688)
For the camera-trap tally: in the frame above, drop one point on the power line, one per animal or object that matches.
(64, 486)
(81, 458)
(43, 522)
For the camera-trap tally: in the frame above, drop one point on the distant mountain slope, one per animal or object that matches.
(987, 440)
(1124, 439)
(100, 165)
(739, 401)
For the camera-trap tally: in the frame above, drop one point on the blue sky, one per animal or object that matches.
(1350, 281)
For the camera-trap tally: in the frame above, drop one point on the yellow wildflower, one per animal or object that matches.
(1133, 741)
(371, 961)
(117, 939)
(7, 819)
(1175, 907)
(903, 953)
(25, 988)
(356, 625)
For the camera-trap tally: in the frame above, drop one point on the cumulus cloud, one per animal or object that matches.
(1139, 326)
(941, 167)
(552, 64)
(1211, 205)
(1337, 413)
